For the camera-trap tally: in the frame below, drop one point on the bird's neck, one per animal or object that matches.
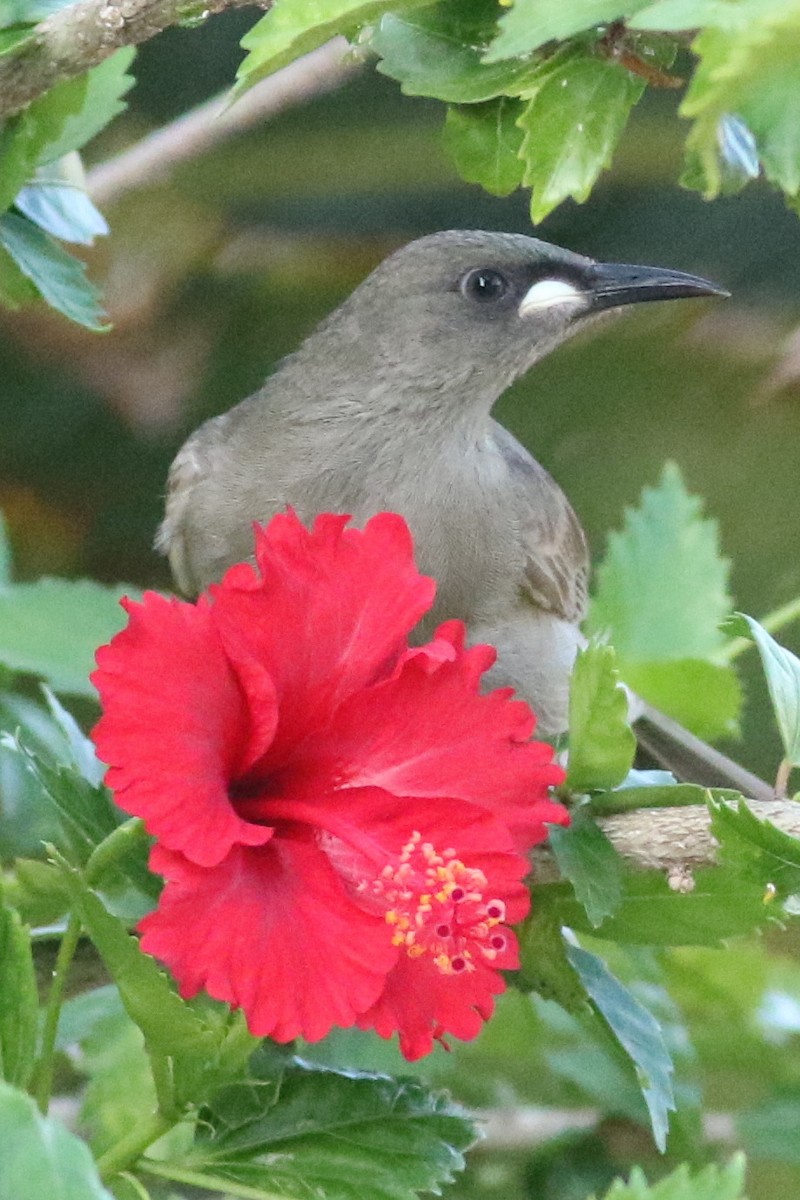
(365, 394)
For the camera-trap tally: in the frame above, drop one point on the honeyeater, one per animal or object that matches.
(387, 406)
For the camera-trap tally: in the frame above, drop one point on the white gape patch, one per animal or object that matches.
(549, 292)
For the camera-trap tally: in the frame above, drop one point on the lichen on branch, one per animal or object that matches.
(84, 34)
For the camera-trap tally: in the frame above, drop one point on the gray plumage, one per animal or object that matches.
(386, 406)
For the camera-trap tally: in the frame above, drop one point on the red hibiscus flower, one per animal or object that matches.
(341, 819)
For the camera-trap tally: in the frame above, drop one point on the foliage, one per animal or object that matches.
(712, 1183)
(567, 75)
(41, 192)
(668, 644)
(538, 96)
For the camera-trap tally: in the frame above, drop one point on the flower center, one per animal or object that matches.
(436, 905)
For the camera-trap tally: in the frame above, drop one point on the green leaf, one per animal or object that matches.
(758, 849)
(81, 751)
(23, 138)
(62, 120)
(437, 52)
(782, 669)
(587, 859)
(15, 289)
(638, 1033)
(674, 16)
(19, 1001)
(85, 810)
(113, 1051)
(721, 905)
(169, 1025)
(37, 892)
(295, 27)
(27, 815)
(711, 1183)
(102, 90)
(662, 588)
(601, 742)
(528, 24)
(748, 67)
(86, 817)
(60, 278)
(484, 141)
(578, 110)
(61, 210)
(705, 697)
(40, 1157)
(661, 595)
(82, 1013)
(52, 628)
(12, 40)
(544, 966)
(313, 1132)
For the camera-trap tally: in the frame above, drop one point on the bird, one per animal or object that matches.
(386, 406)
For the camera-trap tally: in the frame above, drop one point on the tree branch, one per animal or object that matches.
(155, 157)
(81, 36)
(675, 840)
(527, 1127)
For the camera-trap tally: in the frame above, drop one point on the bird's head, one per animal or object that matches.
(468, 312)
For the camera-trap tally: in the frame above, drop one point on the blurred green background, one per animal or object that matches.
(212, 277)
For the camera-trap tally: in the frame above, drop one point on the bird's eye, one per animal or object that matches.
(484, 285)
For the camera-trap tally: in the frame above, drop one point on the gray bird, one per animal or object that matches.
(387, 406)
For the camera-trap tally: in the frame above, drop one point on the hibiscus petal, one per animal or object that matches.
(421, 1004)
(372, 826)
(420, 1000)
(176, 727)
(331, 615)
(271, 931)
(426, 732)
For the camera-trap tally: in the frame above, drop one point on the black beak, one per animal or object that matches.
(613, 284)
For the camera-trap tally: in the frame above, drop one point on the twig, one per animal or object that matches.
(155, 157)
(674, 840)
(82, 35)
(526, 1127)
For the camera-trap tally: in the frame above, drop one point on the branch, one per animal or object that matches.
(81, 36)
(154, 158)
(675, 840)
(526, 1127)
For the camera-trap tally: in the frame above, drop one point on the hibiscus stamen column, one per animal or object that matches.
(437, 906)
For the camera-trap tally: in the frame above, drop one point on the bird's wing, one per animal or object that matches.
(556, 557)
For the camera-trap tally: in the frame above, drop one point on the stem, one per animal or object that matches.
(161, 1069)
(102, 857)
(128, 1149)
(200, 1179)
(43, 1074)
(772, 622)
(676, 796)
(112, 848)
